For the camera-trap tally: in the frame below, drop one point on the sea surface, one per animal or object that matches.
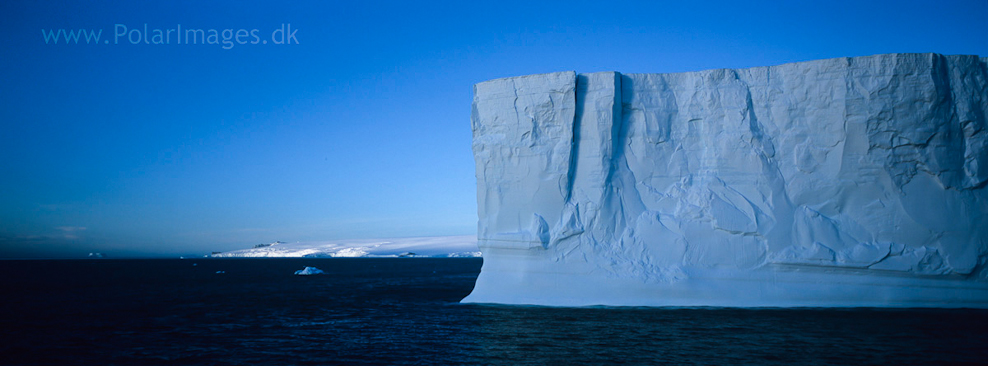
(395, 311)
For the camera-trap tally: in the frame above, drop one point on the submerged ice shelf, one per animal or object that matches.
(840, 182)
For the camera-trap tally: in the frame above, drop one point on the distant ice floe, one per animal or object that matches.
(433, 246)
(308, 271)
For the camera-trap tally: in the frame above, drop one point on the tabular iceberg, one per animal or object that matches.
(841, 182)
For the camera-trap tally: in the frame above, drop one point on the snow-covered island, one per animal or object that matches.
(436, 246)
(841, 182)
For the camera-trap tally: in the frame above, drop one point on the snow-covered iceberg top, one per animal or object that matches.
(308, 271)
(841, 182)
(436, 246)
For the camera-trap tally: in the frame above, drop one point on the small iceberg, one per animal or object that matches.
(308, 271)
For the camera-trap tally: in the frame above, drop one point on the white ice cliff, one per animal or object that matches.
(840, 182)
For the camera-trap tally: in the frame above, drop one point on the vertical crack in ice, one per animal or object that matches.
(575, 139)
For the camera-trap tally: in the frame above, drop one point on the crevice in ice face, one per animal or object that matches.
(575, 141)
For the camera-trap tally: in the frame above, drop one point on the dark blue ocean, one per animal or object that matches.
(406, 311)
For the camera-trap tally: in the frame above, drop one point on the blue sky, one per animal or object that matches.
(361, 129)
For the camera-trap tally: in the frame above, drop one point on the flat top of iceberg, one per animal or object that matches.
(807, 62)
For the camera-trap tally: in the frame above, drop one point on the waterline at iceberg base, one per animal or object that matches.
(841, 182)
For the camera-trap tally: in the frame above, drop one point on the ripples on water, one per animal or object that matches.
(405, 311)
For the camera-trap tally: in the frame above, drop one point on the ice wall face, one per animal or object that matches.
(840, 182)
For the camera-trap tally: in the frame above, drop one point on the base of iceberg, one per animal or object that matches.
(521, 279)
